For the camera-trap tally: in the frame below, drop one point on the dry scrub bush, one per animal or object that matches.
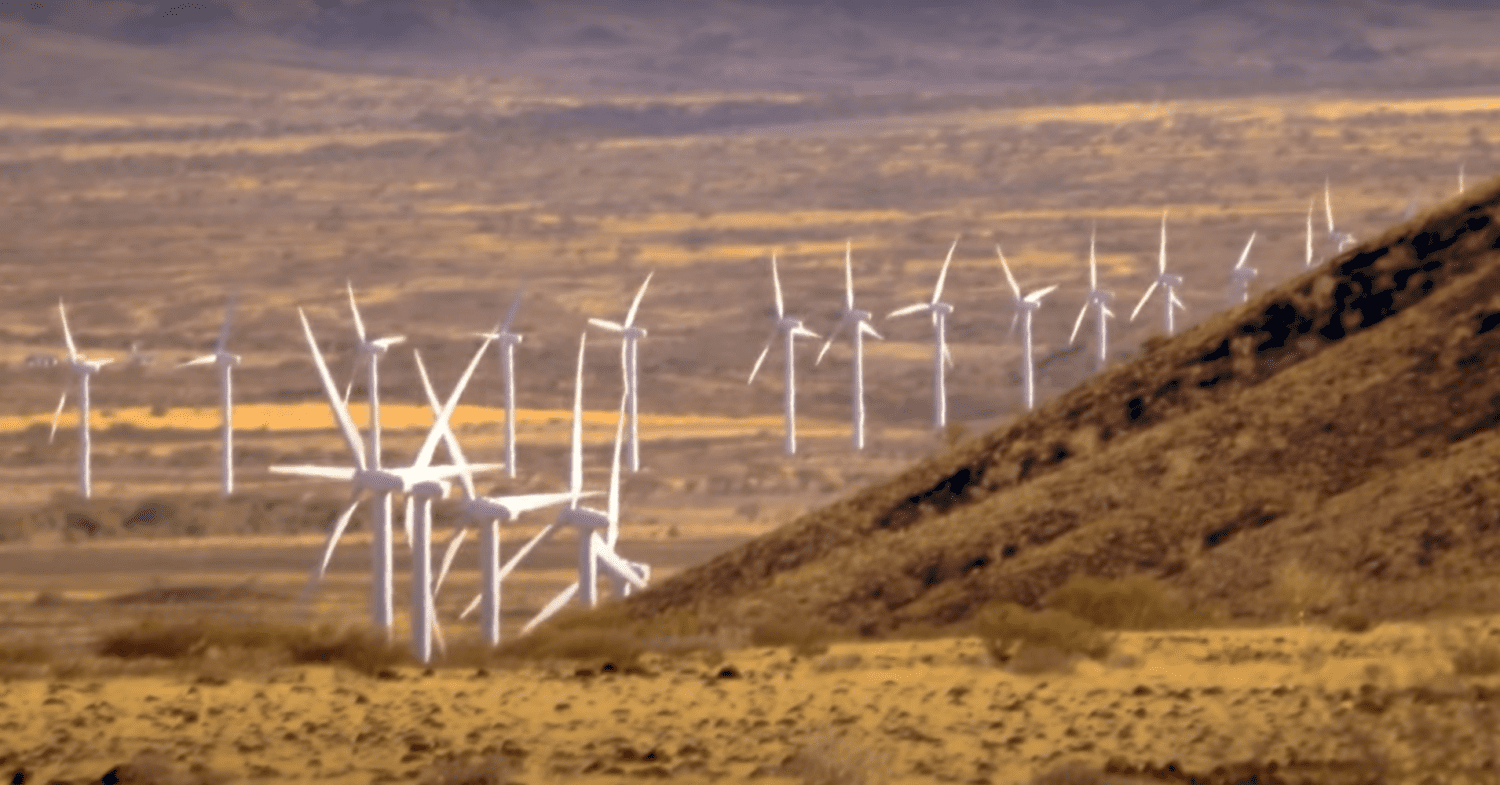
(1471, 654)
(827, 759)
(365, 651)
(154, 768)
(1134, 603)
(1007, 628)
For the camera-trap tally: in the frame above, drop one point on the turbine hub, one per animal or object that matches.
(1169, 279)
(857, 315)
(509, 338)
(634, 333)
(942, 308)
(435, 489)
(1101, 296)
(787, 323)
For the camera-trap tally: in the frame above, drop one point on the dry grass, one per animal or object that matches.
(829, 759)
(362, 650)
(1137, 602)
(1009, 630)
(491, 770)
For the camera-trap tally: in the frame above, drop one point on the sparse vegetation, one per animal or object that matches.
(829, 759)
(1007, 629)
(1137, 602)
(365, 651)
(1302, 590)
(491, 770)
(803, 637)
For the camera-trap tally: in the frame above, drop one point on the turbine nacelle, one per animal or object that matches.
(380, 345)
(1169, 279)
(83, 365)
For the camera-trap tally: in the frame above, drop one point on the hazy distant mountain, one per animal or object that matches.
(961, 45)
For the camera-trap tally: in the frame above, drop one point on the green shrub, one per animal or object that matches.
(1134, 603)
(1006, 626)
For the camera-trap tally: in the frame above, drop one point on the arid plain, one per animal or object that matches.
(437, 196)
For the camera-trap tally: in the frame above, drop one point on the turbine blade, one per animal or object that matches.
(204, 360)
(1309, 261)
(552, 607)
(831, 335)
(340, 412)
(804, 332)
(1036, 296)
(608, 325)
(947, 355)
(516, 558)
(575, 466)
(359, 359)
(61, 402)
(937, 292)
(1144, 298)
(523, 503)
(1078, 323)
(606, 553)
(1173, 297)
(359, 324)
(449, 554)
(424, 455)
(228, 322)
(1245, 254)
(761, 358)
(848, 275)
(1108, 312)
(316, 578)
(510, 315)
(636, 303)
(455, 453)
(776, 279)
(865, 328)
(67, 334)
(910, 309)
(1328, 204)
(1014, 287)
(344, 473)
(409, 515)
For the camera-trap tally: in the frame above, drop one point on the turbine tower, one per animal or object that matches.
(226, 362)
(370, 352)
(506, 341)
(1241, 275)
(940, 355)
(1167, 281)
(1460, 176)
(379, 483)
(1308, 262)
(1098, 299)
(630, 336)
(790, 328)
(858, 322)
(1029, 304)
(82, 368)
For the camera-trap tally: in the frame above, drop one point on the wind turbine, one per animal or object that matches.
(790, 328)
(1098, 299)
(1460, 176)
(630, 336)
(940, 354)
(1241, 275)
(858, 322)
(421, 480)
(1342, 239)
(490, 511)
(226, 362)
(1167, 281)
(506, 341)
(594, 551)
(82, 368)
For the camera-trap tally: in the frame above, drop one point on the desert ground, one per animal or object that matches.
(146, 182)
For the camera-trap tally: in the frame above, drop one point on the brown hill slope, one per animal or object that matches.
(1344, 420)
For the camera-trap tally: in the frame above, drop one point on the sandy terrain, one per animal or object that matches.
(905, 712)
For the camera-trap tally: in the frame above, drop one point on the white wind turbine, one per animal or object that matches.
(858, 322)
(595, 552)
(226, 361)
(490, 512)
(940, 354)
(1167, 281)
(420, 480)
(1341, 239)
(790, 328)
(82, 368)
(1098, 299)
(630, 336)
(506, 341)
(1460, 176)
(1241, 275)
(370, 352)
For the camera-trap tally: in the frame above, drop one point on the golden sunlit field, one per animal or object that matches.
(836, 617)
